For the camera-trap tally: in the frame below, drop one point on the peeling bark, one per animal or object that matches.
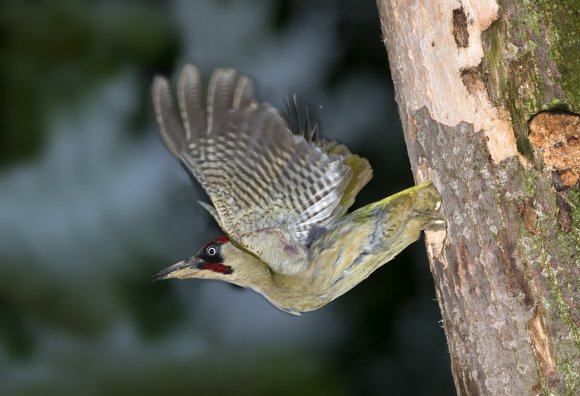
(557, 137)
(507, 268)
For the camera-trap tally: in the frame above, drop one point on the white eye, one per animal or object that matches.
(211, 251)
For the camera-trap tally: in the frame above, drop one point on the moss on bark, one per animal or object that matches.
(531, 60)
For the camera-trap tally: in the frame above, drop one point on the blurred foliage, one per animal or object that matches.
(55, 51)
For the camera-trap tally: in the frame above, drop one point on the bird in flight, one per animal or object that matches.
(281, 195)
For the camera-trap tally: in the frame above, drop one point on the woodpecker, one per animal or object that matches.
(280, 194)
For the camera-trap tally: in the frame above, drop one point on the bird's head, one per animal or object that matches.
(217, 259)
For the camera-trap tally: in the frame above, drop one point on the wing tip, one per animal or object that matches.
(244, 92)
(189, 75)
(159, 87)
(170, 127)
(220, 76)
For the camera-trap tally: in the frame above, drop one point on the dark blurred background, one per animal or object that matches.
(92, 205)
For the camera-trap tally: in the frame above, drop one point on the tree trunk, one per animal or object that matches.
(488, 95)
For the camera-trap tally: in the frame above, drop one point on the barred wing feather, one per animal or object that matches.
(269, 186)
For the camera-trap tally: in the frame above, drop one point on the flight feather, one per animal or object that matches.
(269, 186)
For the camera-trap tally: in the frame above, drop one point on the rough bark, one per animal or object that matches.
(488, 95)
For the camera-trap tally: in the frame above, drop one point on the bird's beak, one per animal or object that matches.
(183, 269)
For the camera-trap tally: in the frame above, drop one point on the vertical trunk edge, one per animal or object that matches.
(507, 270)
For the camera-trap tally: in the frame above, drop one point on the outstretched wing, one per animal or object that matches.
(269, 187)
(362, 172)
